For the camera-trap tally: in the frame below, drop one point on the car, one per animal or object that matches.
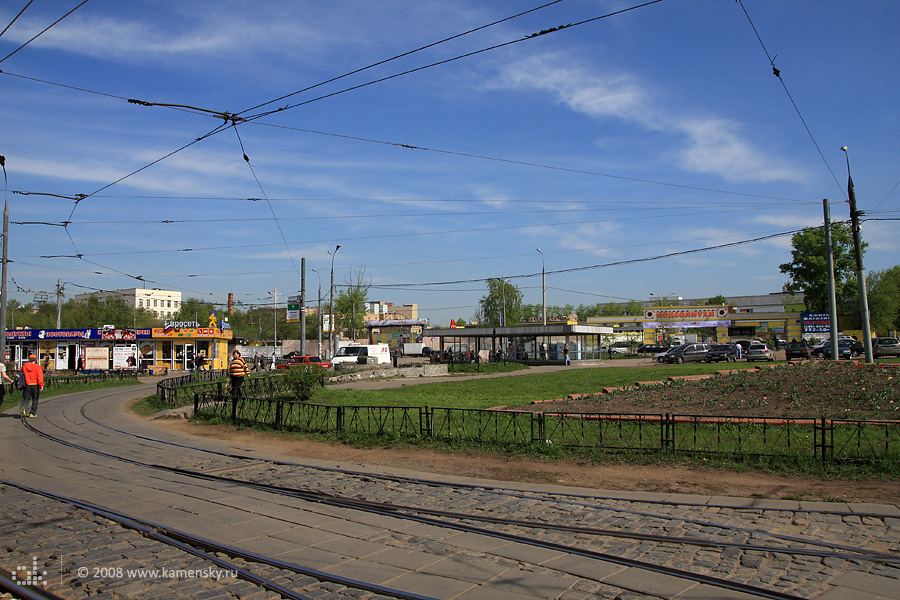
(721, 352)
(795, 349)
(662, 357)
(652, 348)
(297, 360)
(845, 349)
(759, 352)
(687, 353)
(886, 346)
(427, 352)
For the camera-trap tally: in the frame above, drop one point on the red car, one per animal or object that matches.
(304, 360)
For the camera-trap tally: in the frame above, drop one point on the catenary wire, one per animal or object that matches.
(16, 18)
(43, 31)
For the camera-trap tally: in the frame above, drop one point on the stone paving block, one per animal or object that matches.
(431, 585)
(854, 585)
(349, 547)
(709, 592)
(312, 558)
(401, 557)
(583, 566)
(531, 554)
(649, 582)
(467, 569)
(303, 536)
(364, 570)
(542, 585)
(472, 541)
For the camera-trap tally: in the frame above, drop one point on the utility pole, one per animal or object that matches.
(3, 289)
(274, 320)
(303, 306)
(832, 300)
(860, 272)
(58, 303)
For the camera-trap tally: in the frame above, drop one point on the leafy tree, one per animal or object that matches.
(610, 309)
(716, 300)
(808, 267)
(633, 308)
(194, 309)
(883, 291)
(502, 297)
(350, 304)
(460, 322)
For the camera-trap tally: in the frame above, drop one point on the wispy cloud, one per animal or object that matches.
(709, 144)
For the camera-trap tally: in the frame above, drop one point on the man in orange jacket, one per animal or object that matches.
(34, 385)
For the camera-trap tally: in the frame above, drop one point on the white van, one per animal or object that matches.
(378, 354)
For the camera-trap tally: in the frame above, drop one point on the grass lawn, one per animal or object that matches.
(15, 398)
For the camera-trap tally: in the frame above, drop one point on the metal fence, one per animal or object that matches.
(51, 381)
(823, 440)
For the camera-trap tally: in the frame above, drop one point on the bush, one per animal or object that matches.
(302, 380)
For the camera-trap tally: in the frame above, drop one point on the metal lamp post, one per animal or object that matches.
(860, 272)
(543, 288)
(331, 340)
(319, 313)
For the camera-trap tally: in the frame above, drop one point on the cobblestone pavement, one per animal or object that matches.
(808, 550)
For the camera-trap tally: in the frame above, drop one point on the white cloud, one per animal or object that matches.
(711, 144)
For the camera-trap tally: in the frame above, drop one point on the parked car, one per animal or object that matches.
(296, 360)
(886, 346)
(662, 357)
(796, 349)
(427, 352)
(688, 353)
(759, 352)
(652, 348)
(720, 352)
(845, 349)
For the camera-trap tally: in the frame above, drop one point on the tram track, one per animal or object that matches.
(441, 517)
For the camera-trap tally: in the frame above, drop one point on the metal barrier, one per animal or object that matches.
(825, 440)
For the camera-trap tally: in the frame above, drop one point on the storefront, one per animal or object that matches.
(105, 348)
(176, 348)
(63, 349)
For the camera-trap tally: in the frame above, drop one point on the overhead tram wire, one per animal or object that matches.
(532, 164)
(233, 118)
(398, 56)
(777, 73)
(43, 31)
(453, 59)
(389, 236)
(16, 18)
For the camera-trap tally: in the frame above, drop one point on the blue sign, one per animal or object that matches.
(816, 322)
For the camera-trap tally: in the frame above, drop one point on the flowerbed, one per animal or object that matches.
(804, 389)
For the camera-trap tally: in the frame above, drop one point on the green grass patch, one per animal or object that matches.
(513, 391)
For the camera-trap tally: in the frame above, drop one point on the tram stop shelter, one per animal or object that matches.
(528, 343)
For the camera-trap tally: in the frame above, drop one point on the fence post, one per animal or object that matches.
(234, 403)
(339, 420)
(279, 406)
(538, 423)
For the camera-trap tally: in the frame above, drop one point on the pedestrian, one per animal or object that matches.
(256, 362)
(273, 361)
(199, 362)
(543, 351)
(80, 367)
(737, 351)
(34, 384)
(566, 353)
(237, 370)
(609, 352)
(3, 376)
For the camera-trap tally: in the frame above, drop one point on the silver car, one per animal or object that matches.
(886, 346)
(760, 352)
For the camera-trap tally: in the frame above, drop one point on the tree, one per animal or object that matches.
(633, 308)
(716, 300)
(501, 305)
(350, 303)
(883, 291)
(194, 309)
(808, 267)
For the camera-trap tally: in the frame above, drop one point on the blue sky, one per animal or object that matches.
(656, 131)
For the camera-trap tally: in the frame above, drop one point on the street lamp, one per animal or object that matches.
(331, 340)
(319, 313)
(3, 288)
(543, 287)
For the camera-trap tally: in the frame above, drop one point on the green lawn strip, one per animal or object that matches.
(513, 390)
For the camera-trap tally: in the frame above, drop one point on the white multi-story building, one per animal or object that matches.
(162, 303)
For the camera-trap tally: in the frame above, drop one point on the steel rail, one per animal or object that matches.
(26, 592)
(381, 510)
(401, 511)
(190, 543)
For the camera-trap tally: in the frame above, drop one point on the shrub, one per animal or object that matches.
(302, 380)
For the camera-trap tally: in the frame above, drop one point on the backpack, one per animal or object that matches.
(20, 381)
